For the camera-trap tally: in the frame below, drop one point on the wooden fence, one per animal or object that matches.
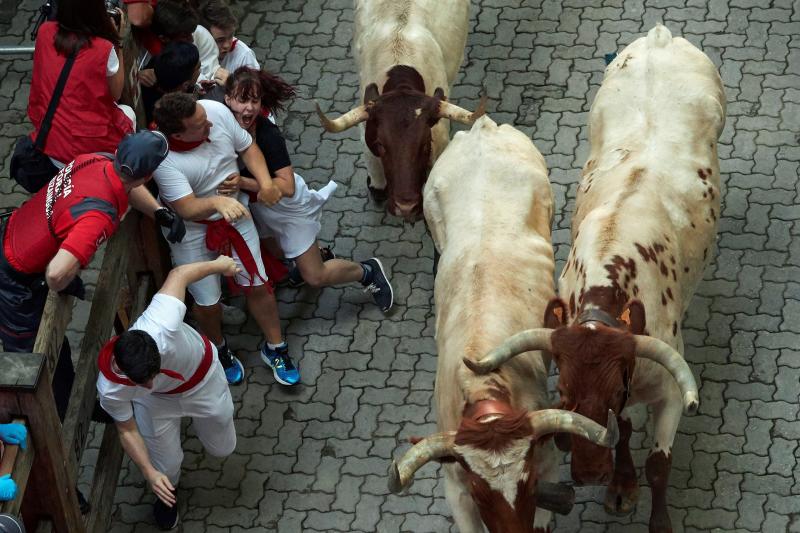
(47, 471)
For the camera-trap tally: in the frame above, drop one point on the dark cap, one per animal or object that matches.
(10, 524)
(140, 153)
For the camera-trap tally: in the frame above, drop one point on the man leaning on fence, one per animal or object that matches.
(47, 240)
(160, 371)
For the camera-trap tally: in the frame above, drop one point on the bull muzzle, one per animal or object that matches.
(556, 497)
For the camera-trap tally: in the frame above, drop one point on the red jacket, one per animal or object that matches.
(83, 203)
(87, 119)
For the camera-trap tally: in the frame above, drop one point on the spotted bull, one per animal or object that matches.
(644, 224)
(489, 205)
(408, 53)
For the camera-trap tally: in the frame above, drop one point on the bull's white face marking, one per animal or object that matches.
(502, 471)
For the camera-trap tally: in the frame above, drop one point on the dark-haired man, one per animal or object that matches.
(160, 371)
(205, 141)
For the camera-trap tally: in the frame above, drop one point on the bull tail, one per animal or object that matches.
(659, 37)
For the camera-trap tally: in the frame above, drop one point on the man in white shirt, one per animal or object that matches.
(217, 16)
(160, 371)
(205, 140)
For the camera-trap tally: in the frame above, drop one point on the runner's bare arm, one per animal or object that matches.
(61, 270)
(254, 160)
(182, 276)
(191, 207)
(143, 201)
(134, 446)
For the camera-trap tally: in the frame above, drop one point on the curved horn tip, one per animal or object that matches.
(395, 483)
(691, 403)
(478, 367)
(612, 430)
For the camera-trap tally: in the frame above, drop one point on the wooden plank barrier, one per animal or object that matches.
(135, 263)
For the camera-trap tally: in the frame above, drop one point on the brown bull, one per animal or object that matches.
(408, 53)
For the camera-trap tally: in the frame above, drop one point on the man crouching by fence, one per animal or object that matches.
(160, 371)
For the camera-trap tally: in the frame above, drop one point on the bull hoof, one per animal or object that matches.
(379, 195)
(621, 501)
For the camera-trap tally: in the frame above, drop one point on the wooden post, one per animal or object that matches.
(25, 389)
(55, 319)
(98, 331)
(106, 473)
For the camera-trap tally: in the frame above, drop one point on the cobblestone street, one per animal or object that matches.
(315, 458)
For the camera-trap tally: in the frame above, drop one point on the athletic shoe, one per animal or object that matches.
(294, 280)
(233, 316)
(378, 284)
(281, 364)
(234, 370)
(166, 517)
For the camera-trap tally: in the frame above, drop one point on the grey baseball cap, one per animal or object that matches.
(139, 154)
(11, 524)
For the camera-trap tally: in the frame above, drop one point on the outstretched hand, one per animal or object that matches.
(14, 434)
(226, 265)
(8, 488)
(162, 488)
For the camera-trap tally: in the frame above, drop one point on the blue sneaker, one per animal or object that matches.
(234, 369)
(281, 364)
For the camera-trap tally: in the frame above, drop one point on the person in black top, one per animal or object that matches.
(254, 96)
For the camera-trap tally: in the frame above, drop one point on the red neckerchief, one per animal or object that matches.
(104, 363)
(176, 145)
(223, 238)
(233, 44)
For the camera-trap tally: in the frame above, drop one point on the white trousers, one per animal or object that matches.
(211, 409)
(192, 249)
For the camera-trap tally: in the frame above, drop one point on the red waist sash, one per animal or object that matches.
(223, 238)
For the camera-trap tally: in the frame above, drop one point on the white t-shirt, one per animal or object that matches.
(209, 53)
(203, 169)
(241, 56)
(181, 349)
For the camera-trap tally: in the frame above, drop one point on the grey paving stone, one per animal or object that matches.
(542, 64)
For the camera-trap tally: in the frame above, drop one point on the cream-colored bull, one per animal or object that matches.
(643, 231)
(489, 205)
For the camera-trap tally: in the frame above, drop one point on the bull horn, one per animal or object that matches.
(556, 497)
(524, 341)
(459, 114)
(547, 421)
(665, 355)
(401, 473)
(346, 121)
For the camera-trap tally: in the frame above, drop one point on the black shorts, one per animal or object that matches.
(22, 299)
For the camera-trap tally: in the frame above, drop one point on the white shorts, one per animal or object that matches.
(192, 249)
(294, 222)
(158, 417)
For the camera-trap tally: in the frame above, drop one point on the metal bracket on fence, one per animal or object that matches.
(16, 50)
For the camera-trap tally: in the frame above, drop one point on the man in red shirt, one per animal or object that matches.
(47, 240)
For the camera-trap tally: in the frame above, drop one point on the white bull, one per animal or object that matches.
(489, 206)
(644, 225)
(411, 50)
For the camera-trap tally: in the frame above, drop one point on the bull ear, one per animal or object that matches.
(439, 94)
(555, 315)
(371, 94)
(633, 316)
